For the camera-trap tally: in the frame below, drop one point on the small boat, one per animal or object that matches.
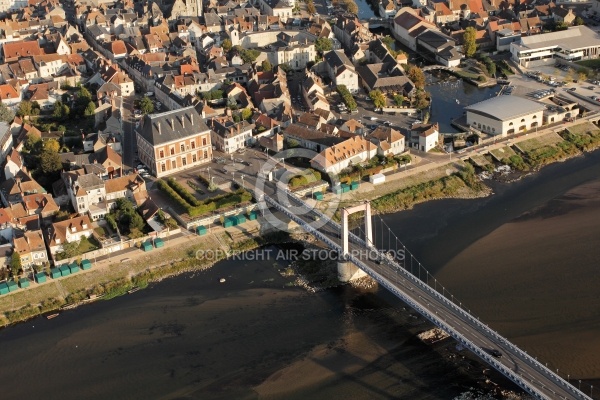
(133, 290)
(222, 280)
(457, 102)
(52, 316)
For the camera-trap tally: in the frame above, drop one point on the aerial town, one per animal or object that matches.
(127, 122)
(136, 136)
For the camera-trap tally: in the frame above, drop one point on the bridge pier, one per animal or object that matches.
(347, 271)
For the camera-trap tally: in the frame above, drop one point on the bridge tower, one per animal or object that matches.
(347, 271)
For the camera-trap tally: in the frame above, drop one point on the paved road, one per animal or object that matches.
(513, 363)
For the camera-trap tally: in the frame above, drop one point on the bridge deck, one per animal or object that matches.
(515, 364)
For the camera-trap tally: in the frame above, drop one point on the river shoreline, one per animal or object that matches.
(470, 188)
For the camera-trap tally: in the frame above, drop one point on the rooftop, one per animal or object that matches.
(576, 37)
(503, 108)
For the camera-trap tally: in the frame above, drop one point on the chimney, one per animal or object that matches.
(158, 126)
(183, 122)
(172, 123)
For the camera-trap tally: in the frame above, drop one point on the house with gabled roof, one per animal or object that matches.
(67, 231)
(341, 70)
(310, 138)
(408, 25)
(353, 151)
(13, 164)
(12, 51)
(12, 190)
(31, 248)
(389, 141)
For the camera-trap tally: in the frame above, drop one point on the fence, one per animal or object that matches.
(212, 218)
(117, 246)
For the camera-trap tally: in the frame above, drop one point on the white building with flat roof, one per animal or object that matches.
(504, 115)
(574, 44)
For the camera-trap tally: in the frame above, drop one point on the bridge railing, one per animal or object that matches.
(415, 280)
(436, 320)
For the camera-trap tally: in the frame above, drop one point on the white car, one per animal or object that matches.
(140, 166)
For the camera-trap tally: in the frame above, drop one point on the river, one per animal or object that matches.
(524, 260)
(450, 95)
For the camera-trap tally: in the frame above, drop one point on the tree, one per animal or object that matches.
(351, 6)
(323, 45)
(310, 7)
(561, 26)
(578, 21)
(398, 99)
(52, 145)
(227, 45)
(249, 56)
(246, 114)
(33, 143)
(61, 111)
(15, 263)
(90, 109)
(266, 66)
(378, 98)
(84, 94)
(61, 216)
(469, 41)
(50, 162)
(582, 75)
(6, 114)
(422, 101)
(146, 105)
(416, 75)
(27, 108)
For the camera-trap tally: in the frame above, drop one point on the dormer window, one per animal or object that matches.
(73, 229)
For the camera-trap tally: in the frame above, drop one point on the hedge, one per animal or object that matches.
(203, 180)
(209, 205)
(162, 185)
(301, 180)
(183, 192)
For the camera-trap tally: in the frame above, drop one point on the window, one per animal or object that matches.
(193, 143)
(173, 164)
(184, 161)
(172, 150)
(161, 154)
(205, 154)
(182, 147)
(163, 167)
(511, 124)
(194, 158)
(203, 141)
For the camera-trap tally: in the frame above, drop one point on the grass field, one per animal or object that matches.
(583, 128)
(479, 160)
(502, 152)
(538, 142)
